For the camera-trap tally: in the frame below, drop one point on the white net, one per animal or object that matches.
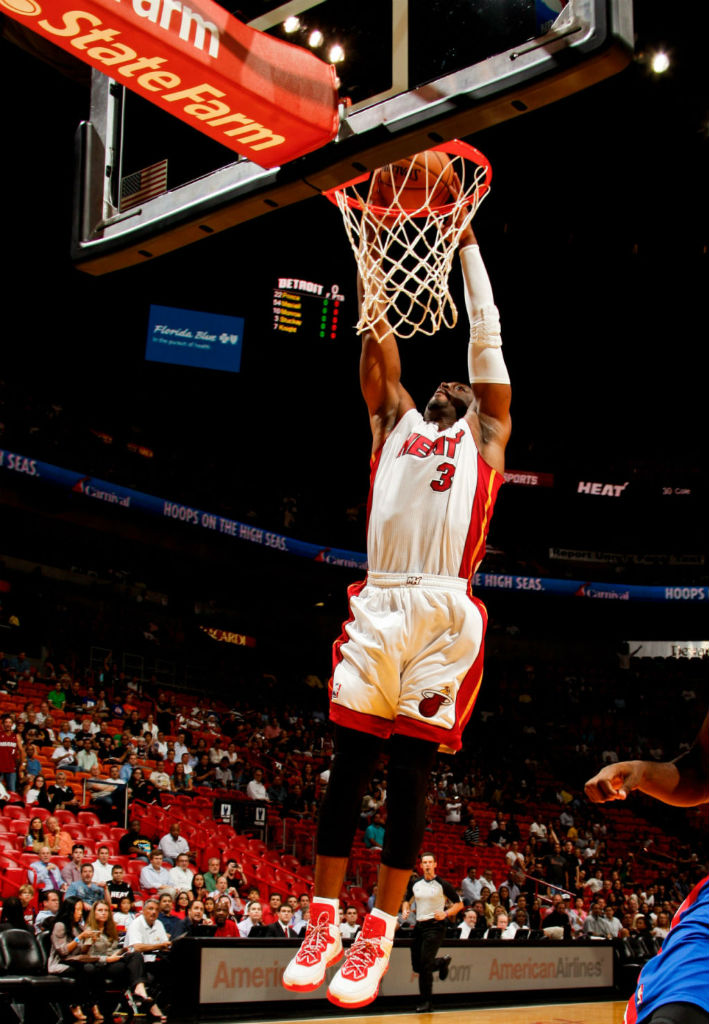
(404, 256)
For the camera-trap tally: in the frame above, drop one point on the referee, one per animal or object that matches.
(431, 895)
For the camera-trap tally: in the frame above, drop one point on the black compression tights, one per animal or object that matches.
(356, 757)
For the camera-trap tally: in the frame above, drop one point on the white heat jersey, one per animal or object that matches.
(431, 499)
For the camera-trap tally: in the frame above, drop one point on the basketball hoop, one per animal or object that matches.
(404, 254)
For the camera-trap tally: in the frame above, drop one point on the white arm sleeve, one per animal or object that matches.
(485, 360)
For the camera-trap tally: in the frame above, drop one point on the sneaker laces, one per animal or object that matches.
(361, 957)
(315, 942)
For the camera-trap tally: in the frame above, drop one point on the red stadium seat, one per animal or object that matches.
(13, 811)
(10, 881)
(10, 843)
(76, 831)
(97, 832)
(87, 818)
(65, 817)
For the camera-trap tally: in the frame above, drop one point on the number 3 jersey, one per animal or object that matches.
(431, 500)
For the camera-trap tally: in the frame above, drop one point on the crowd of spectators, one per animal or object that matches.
(542, 860)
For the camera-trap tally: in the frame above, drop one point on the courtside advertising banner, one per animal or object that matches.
(264, 98)
(238, 974)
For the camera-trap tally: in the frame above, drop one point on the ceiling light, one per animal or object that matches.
(660, 62)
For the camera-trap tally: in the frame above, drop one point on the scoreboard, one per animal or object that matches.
(307, 309)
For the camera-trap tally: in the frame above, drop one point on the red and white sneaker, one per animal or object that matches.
(357, 982)
(320, 949)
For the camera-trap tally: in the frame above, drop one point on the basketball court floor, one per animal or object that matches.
(557, 1013)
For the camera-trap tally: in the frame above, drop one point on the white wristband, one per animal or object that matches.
(486, 363)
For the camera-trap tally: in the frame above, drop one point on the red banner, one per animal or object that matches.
(262, 97)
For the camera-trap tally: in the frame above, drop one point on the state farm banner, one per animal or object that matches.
(264, 98)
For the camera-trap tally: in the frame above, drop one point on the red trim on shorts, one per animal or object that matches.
(405, 726)
(361, 721)
(470, 687)
(353, 590)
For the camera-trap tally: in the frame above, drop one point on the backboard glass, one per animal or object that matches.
(412, 75)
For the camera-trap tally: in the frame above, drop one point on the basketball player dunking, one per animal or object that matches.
(409, 662)
(673, 987)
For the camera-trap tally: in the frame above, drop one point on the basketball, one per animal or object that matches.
(422, 180)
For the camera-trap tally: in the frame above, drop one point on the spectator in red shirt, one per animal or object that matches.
(226, 926)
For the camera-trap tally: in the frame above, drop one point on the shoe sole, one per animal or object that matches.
(313, 984)
(344, 1005)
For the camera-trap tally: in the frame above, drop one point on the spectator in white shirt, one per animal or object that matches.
(486, 879)
(256, 789)
(159, 747)
(146, 934)
(217, 752)
(454, 808)
(253, 919)
(64, 756)
(595, 884)
(150, 725)
(350, 926)
(180, 747)
(468, 928)
(103, 871)
(539, 830)
(514, 856)
(154, 877)
(173, 844)
(503, 922)
(613, 921)
(181, 876)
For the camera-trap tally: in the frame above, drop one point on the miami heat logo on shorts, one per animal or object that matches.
(432, 700)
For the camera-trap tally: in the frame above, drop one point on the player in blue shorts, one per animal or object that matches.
(673, 987)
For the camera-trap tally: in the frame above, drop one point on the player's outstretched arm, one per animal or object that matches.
(683, 782)
(488, 373)
(380, 364)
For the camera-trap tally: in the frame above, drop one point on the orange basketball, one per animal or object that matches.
(422, 180)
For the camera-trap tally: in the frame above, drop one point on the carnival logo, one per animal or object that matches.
(433, 700)
(599, 591)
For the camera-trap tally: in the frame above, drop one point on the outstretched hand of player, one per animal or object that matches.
(615, 781)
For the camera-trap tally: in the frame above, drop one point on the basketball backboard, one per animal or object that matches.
(412, 75)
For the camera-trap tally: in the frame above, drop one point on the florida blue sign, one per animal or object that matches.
(191, 338)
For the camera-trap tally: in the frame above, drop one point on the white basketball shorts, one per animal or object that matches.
(409, 659)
